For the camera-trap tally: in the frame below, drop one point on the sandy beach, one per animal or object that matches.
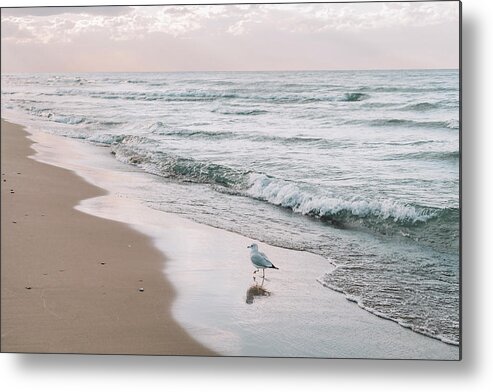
(70, 281)
(195, 274)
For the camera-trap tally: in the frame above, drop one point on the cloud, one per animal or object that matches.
(49, 25)
(50, 11)
(312, 18)
(12, 29)
(44, 24)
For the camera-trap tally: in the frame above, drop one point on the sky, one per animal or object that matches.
(299, 36)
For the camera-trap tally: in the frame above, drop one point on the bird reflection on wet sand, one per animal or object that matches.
(256, 290)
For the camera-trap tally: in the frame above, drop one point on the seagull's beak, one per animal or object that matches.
(249, 246)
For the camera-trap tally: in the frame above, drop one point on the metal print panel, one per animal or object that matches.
(277, 180)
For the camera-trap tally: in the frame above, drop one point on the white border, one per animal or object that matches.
(112, 373)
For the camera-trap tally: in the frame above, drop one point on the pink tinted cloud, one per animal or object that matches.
(255, 37)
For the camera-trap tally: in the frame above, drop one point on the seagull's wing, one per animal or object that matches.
(264, 256)
(261, 260)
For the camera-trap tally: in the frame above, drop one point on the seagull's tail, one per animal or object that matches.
(273, 266)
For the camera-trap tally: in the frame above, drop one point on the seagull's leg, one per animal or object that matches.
(263, 275)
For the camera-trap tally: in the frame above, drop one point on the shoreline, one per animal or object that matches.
(70, 281)
(209, 272)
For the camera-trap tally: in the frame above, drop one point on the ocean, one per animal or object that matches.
(361, 167)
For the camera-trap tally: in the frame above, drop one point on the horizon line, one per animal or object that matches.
(246, 71)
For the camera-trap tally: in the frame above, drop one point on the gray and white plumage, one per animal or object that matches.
(259, 259)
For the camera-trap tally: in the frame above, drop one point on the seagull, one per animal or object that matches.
(259, 260)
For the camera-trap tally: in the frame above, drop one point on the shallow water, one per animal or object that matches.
(359, 167)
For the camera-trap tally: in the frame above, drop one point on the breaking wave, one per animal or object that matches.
(252, 112)
(160, 128)
(383, 216)
(428, 155)
(392, 122)
(421, 106)
(353, 97)
(333, 208)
